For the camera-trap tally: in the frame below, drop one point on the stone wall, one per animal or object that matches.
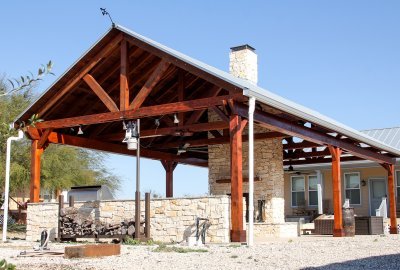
(172, 219)
(268, 167)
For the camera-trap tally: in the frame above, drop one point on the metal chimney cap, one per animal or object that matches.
(242, 47)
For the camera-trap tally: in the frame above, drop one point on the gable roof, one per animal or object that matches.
(248, 89)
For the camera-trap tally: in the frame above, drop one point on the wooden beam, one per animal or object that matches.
(195, 116)
(392, 197)
(215, 141)
(318, 160)
(99, 91)
(215, 133)
(174, 131)
(276, 123)
(59, 138)
(301, 145)
(35, 172)
(123, 77)
(220, 113)
(184, 106)
(169, 167)
(93, 61)
(337, 191)
(43, 139)
(238, 233)
(151, 82)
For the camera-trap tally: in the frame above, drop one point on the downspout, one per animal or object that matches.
(252, 103)
(7, 181)
(319, 192)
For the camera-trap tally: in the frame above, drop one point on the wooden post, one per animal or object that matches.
(238, 234)
(337, 191)
(35, 172)
(147, 215)
(392, 197)
(60, 206)
(169, 167)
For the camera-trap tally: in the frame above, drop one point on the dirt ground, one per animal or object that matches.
(307, 252)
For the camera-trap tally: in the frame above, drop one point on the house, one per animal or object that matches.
(364, 183)
(192, 113)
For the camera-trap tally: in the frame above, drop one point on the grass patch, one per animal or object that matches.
(290, 240)
(131, 242)
(235, 245)
(376, 240)
(16, 228)
(6, 266)
(234, 256)
(165, 248)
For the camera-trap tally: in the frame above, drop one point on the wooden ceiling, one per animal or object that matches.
(123, 78)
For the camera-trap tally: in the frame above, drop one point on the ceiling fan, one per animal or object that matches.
(185, 148)
(291, 170)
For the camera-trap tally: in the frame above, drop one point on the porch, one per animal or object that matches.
(186, 112)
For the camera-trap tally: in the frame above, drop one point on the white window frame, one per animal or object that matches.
(308, 190)
(291, 189)
(395, 179)
(359, 187)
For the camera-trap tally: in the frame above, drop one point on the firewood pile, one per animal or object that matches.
(74, 223)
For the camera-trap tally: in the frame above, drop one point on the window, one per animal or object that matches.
(398, 185)
(298, 189)
(352, 187)
(312, 190)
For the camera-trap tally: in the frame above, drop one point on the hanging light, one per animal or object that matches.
(80, 131)
(131, 136)
(176, 120)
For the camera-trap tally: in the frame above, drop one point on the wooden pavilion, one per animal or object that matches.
(125, 76)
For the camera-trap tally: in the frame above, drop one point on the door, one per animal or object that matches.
(376, 192)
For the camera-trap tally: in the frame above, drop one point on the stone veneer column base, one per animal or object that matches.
(276, 230)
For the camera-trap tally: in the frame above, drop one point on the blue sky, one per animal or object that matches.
(340, 58)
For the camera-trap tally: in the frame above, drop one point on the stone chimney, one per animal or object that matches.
(243, 63)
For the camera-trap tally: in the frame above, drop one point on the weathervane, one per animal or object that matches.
(105, 12)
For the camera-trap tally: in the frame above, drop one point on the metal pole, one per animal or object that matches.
(137, 193)
(319, 192)
(138, 156)
(7, 181)
(252, 102)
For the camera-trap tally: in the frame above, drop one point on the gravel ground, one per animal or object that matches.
(308, 252)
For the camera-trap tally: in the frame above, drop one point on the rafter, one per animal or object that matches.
(93, 61)
(184, 106)
(99, 91)
(154, 78)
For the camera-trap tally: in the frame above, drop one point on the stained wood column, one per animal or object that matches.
(392, 198)
(35, 171)
(337, 191)
(169, 167)
(238, 234)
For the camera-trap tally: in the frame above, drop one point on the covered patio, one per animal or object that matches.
(126, 77)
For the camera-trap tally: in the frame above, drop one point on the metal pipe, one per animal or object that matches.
(319, 192)
(7, 181)
(252, 103)
(138, 156)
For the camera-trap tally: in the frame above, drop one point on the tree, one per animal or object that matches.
(62, 166)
